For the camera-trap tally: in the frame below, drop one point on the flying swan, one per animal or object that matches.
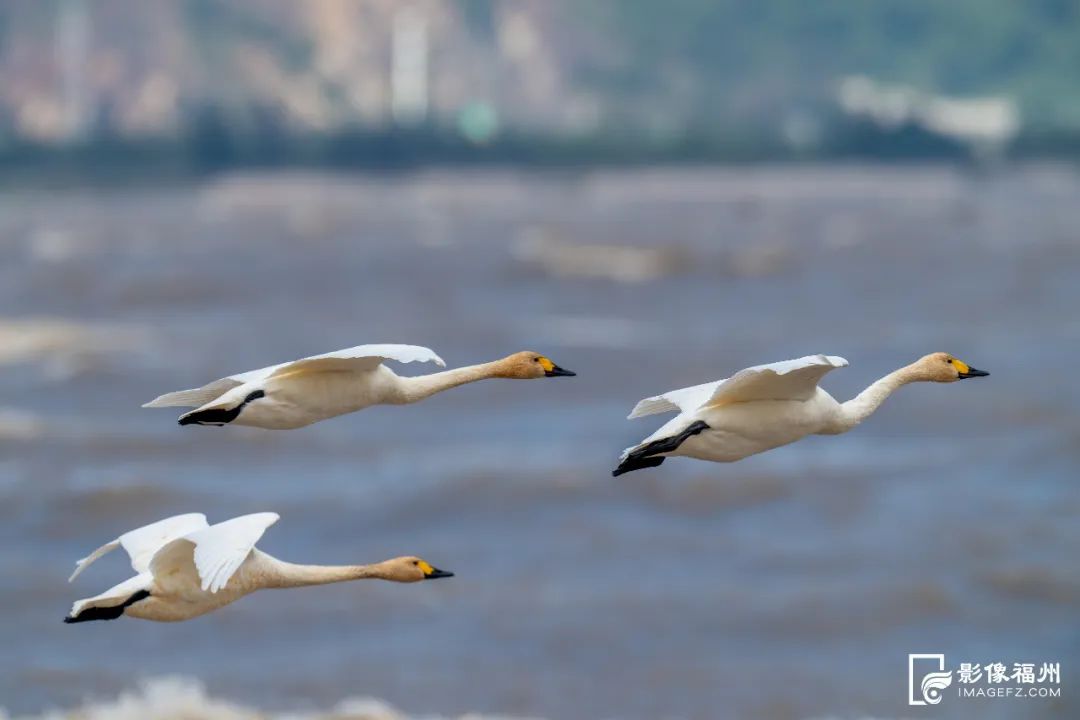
(298, 393)
(767, 406)
(187, 568)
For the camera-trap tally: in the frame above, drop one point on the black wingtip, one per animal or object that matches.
(219, 416)
(636, 463)
(214, 416)
(646, 456)
(106, 613)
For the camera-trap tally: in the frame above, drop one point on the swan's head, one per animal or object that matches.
(528, 365)
(412, 569)
(943, 367)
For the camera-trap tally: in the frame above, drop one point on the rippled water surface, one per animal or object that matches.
(789, 585)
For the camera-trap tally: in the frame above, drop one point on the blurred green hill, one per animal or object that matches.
(747, 58)
(328, 80)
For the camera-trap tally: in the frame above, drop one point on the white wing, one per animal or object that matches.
(217, 551)
(359, 358)
(142, 543)
(787, 380)
(675, 400)
(196, 397)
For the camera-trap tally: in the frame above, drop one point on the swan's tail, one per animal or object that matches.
(636, 463)
(219, 415)
(111, 604)
(87, 610)
(649, 454)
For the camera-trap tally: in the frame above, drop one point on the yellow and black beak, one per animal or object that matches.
(432, 573)
(553, 370)
(965, 371)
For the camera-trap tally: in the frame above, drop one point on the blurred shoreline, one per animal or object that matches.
(204, 152)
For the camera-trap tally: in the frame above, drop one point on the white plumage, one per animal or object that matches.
(787, 380)
(294, 394)
(182, 563)
(297, 393)
(187, 568)
(141, 543)
(355, 359)
(766, 406)
(216, 552)
(160, 548)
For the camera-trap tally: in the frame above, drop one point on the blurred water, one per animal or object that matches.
(789, 585)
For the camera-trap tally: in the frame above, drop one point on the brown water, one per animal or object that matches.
(789, 585)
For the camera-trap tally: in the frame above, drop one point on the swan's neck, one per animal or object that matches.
(418, 388)
(282, 574)
(864, 404)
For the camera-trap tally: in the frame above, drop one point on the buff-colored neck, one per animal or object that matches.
(864, 404)
(282, 574)
(414, 389)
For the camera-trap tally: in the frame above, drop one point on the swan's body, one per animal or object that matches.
(187, 568)
(766, 406)
(299, 393)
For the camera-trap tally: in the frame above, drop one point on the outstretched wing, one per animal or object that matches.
(213, 554)
(787, 380)
(142, 543)
(359, 358)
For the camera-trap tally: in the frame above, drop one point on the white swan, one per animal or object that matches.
(298, 393)
(767, 406)
(188, 568)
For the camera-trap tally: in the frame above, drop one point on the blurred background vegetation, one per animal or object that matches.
(198, 85)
